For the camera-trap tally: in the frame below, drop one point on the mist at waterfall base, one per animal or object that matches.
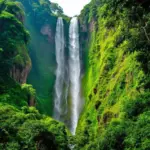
(67, 91)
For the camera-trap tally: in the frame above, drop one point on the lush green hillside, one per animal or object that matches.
(115, 42)
(14, 59)
(21, 127)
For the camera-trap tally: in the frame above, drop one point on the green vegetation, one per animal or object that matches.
(21, 127)
(13, 36)
(13, 54)
(40, 20)
(27, 129)
(115, 42)
(116, 81)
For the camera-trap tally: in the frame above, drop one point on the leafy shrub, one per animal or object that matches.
(135, 107)
(138, 133)
(113, 137)
(28, 129)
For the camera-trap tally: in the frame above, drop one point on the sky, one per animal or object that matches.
(71, 7)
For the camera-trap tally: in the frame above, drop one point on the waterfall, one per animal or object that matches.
(60, 71)
(74, 72)
(62, 84)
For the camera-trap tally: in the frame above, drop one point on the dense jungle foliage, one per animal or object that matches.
(13, 40)
(116, 42)
(21, 127)
(26, 129)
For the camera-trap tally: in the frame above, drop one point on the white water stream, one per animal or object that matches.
(61, 84)
(60, 71)
(74, 72)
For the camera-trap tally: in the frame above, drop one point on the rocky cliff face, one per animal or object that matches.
(20, 74)
(46, 30)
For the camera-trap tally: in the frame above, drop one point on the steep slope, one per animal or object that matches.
(15, 62)
(21, 126)
(115, 45)
(115, 42)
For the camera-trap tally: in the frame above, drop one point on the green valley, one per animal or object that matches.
(101, 97)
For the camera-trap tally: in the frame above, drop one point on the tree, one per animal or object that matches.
(55, 8)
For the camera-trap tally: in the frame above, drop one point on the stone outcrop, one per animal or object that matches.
(20, 74)
(31, 101)
(46, 30)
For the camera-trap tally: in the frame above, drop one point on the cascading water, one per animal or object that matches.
(74, 72)
(60, 71)
(61, 83)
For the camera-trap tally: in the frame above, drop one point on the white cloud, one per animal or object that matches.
(72, 7)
